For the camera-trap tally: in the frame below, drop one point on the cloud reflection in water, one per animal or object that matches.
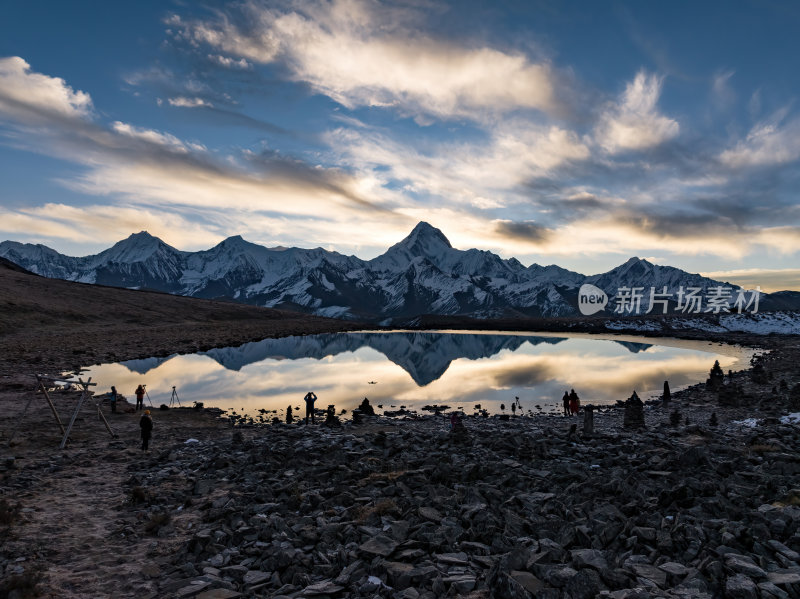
(413, 369)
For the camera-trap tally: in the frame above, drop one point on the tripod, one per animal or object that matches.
(174, 397)
(148, 395)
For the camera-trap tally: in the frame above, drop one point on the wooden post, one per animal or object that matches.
(50, 403)
(103, 418)
(74, 415)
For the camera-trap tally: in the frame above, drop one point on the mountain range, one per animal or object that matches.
(422, 274)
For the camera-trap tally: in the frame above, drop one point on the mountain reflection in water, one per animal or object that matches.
(415, 368)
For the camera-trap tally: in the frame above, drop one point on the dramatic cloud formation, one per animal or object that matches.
(365, 54)
(32, 97)
(162, 172)
(342, 123)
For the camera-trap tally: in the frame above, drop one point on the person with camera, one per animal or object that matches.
(139, 397)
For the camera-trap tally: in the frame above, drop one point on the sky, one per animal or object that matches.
(574, 133)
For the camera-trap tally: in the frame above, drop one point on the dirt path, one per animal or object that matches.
(78, 516)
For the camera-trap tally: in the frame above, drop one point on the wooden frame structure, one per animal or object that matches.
(41, 385)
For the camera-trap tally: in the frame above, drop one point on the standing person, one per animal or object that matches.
(565, 400)
(310, 398)
(139, 397)
(574, 402)
(146, 424)
(112, 399)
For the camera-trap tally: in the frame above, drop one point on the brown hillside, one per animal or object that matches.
(52, 322)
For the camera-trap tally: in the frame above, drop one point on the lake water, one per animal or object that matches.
(413, 369)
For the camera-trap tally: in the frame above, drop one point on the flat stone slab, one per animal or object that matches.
(219, 594)
(674, 569)
(326, 587)
(744, 565)
(429, 513)
(379, 545)
(782, 577)
(651, 573)
(452, 559)
(192, 589)
(254, 577)
(591, 558)
(779, 547)
(527, 581)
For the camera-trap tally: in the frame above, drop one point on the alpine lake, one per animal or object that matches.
(403, 371)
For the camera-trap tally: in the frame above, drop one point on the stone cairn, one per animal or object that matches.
(331, 419)
(588, 420)
(715, 378)
(366, 409)
(634, 412)
(667, 396)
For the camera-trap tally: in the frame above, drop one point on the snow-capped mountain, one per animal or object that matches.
(422, 274)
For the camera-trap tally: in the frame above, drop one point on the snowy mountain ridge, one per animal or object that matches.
(421, 274)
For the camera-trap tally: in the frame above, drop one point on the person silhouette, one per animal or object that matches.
(146, 424)
(139, 397)
(310, 398)
(574, 402)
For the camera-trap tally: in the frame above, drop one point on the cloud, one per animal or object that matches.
(228, 62)
(526, 231)
(100, 225)
(634, 123)
(723, 94)
(184, 102)
(367, 54)
(31, 97)
(482, 174)
(766, 144)
(142, 167)
(769, 279)
(151, 136)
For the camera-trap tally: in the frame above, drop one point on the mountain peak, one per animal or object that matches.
(141, 239)
(426, 232)
(424, 240)
(135, 248)
(234, 240)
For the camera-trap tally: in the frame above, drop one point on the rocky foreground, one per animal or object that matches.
(406, 509)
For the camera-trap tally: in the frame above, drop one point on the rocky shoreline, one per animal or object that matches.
(388, 508)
